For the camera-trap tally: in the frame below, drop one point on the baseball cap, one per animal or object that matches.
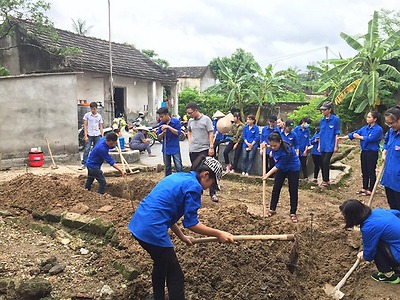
(289, 123)
(273, 118)
(214, 166)
(326, 105)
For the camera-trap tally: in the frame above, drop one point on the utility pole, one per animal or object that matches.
(111, 64)
(326, 52)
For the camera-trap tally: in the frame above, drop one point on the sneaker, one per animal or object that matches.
(152, 155)
(214, 198)
(243, 173)
(232, 171)
(381, 277)
(315, 180)
(247, 174)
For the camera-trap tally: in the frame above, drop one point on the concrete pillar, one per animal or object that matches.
(174, 94)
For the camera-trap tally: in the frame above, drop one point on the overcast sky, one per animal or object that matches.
(286, 33)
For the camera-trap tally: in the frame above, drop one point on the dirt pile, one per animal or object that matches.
(246, 270)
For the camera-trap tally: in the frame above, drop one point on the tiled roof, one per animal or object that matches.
(127, 60)
(189, 72)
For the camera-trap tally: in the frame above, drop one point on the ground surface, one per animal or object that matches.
(246, 270)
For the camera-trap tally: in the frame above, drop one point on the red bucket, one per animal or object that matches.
(36, 159)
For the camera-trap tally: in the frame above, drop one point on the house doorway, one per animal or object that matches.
(119, 102)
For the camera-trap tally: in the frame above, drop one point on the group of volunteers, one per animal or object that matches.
(179, 194)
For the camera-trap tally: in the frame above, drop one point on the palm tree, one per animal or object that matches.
(79, 27)
(372, 77)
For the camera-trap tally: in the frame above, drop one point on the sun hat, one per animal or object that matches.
(142, 128)
(214, 166)
(218, 114)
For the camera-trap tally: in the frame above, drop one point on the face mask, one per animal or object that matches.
(306, 125)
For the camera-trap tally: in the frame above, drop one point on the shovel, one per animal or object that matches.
(272, 237)
(378, 178)
(335, 292)
(53, 166)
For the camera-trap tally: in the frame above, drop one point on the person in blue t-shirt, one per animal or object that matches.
(380, 231)
(289, 136)
(303, 136)
(175, 196)
(370, 137)
(315, 154)
(96, 158)
(391, 154)
(168, 131)
(266, 131)
(287, 165)
(251, 135)
(328, 142)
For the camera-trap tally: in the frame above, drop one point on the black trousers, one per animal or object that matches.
(193, 156)
(165, 267)
(325, 162)
(303, 164)
(393, 198)
(236, 156)
(317, 164)
(368, 167)
(384, 260)
(293, 179)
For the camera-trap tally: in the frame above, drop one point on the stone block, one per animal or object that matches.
(86, 223)
(131, 156)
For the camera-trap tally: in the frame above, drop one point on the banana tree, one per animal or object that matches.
(233, 85)
(372, 75)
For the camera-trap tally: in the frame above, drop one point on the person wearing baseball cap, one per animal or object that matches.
(177, 195)
(266, 131)
(328, 139)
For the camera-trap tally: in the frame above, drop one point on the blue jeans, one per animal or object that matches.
(248, 156)
(99, 176)
(177, 162)
(92, 140)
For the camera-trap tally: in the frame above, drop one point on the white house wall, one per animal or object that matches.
(90, 87)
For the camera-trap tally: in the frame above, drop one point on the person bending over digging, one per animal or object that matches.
(287, 165)
(96, 158)
(380, 230)
(176, 195)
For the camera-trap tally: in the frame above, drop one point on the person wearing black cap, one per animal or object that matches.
(266, 131)
(289, 136)
(177, 195)
(328, 139)
(303, 135)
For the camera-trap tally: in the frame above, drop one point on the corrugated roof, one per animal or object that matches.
(127, 60)
(189, 72)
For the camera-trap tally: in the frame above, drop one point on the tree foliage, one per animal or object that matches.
(79, 26)
(154, 57)
(369, 76)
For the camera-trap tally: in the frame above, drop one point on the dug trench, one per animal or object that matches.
(322, 253)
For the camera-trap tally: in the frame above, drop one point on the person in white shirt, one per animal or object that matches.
(93, 130)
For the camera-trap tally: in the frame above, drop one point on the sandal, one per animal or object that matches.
(270, 213)
(294, 219)
(361, 192)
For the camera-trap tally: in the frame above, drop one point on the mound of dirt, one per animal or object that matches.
(322, 253)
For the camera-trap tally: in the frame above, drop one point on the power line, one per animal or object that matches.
(291, 55)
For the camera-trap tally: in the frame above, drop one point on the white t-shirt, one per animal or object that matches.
(94, 122)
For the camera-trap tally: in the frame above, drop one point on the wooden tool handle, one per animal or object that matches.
(343, 281)
(378, 178)
(276, 237)
(264, 162)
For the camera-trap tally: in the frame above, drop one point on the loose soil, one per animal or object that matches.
(323, 251)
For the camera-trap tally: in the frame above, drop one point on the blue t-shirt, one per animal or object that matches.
(286, 161)
(172, 140)
(99, 154)
(303, 137)
(382, 224)
(329, 129)
(372, 137)
(176, 195)
(250, 135)
(291, 139)
(314, 143)
(266, 131)
(391, 174)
